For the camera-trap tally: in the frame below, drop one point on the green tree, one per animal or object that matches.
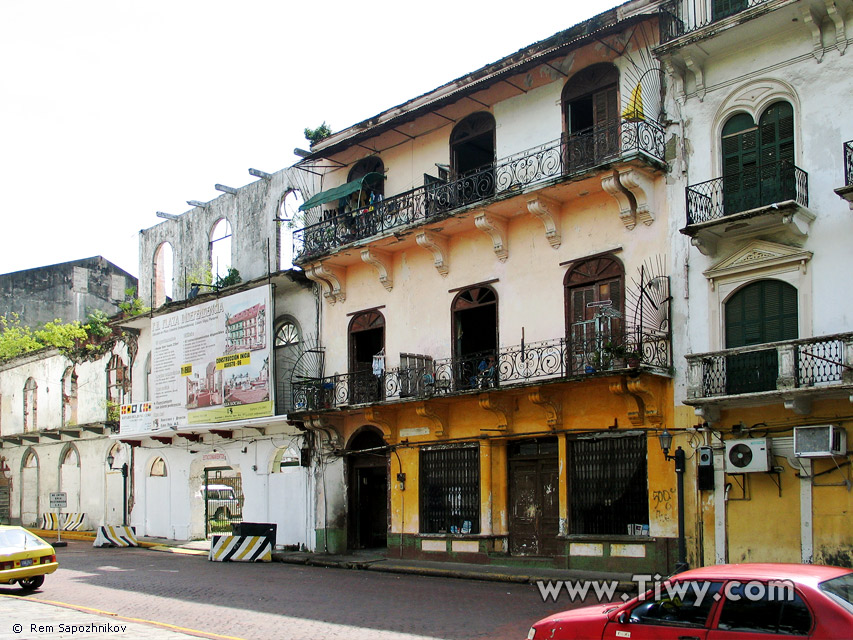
(315, 135)
(16, 339)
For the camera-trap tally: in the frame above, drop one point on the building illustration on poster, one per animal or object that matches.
(210, 362)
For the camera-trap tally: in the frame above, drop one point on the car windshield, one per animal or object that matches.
(840, 587)
(18, 538)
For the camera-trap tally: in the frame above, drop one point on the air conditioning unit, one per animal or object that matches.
(748, 456)
(820, 441)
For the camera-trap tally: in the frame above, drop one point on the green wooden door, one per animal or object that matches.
(764, 311)
(776, 154)
(740, 164)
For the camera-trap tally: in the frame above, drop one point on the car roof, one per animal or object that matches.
(810, 574)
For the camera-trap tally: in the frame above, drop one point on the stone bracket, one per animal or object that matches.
(813, 21)
(317, 422)
(495, 227)
(552, 407)
(641, 186)
(381, 261)
(502, 408)
(837, 17)
(548, 211)
(437, 413)
(636, 410)
(706, 246)
(612, 185)
(438, 245)
(799, 405)
(709, 413)
(330, 278)
(638, 388)
(385, 419)
(677, 74)
(694, 66)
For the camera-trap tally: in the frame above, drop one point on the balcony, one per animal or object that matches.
(549, 163)
(770, 200)
(681, 17)
(793, 371)
(846, 191)
(517, 365)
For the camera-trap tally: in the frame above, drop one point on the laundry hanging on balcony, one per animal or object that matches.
(379, 363)
(342, 191)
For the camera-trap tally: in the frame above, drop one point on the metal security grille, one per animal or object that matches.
(450, 490)
(222, 493)
(608, 489)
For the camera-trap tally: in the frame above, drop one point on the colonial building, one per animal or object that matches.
(212, 384)
(495, 264)
(57, 411)
(756, 90)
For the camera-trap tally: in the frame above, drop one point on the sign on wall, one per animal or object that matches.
(211, 363)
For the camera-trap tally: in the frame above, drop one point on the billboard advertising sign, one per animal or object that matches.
(211, 362)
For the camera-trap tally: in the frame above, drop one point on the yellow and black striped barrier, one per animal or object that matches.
(240, 549)
(116, 536)
(68, 521)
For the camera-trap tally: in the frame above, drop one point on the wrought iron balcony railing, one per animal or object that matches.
(566, 157)
(513, 365)
(848, 163)
(680, 17)
(776, 366)
(753, 187)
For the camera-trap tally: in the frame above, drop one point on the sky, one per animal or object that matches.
(112, 110)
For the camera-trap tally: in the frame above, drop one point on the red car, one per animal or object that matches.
(724, 602)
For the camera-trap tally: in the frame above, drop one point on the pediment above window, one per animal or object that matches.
(759, 255)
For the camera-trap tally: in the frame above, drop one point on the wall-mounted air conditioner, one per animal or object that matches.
(820, 441)
(748, 456)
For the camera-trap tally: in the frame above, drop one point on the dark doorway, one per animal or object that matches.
(591, 111)
(534, 482)
(367, 357)
(475, 327)
(368, 491)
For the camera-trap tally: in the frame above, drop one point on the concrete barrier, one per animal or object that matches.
(68, 521)
(240, 549)
(116, 536)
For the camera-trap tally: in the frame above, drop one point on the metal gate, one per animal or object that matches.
(222, 493)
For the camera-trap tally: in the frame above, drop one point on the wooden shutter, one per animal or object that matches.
(723, 8)
(740, 165)
(764, 311)
(776, 154)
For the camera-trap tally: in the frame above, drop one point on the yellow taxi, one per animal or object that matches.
(24, 558)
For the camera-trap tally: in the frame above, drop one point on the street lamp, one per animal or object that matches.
(665, 439)
(124, 470)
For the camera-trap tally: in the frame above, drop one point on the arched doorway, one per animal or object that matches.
(591, 112)
(69, 478)
(158, 503)
(367, 474)
(29, 489)
(114, 485)
(222, 493)
(366, 356)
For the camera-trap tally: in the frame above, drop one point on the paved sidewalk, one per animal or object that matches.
(29, 618)
(376, 560)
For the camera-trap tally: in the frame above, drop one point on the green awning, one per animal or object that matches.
(336, 193)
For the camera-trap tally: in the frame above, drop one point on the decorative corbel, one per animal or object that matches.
(385, 419)
(706, 246)
(636, 409)
(381, 260)
(638, 388)
(799, 405)
(317, 422)
(677, 74)
(611, 185)
(640, 185)
(437, 414)
(837, 18)
(813, 23)
(330, 278)
(438, 245)
(548, 211)
(694, 66)
(502, 408)
(709, 413)
(552, 407)
(495, 227)
(798, 222)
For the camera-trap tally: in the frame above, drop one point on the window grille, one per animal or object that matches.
(450, 490)
(609, 487)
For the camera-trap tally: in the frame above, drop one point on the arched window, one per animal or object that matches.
(591, 115)
(220, 249)
(30, 405)
(286, 458)
(70, 457)
(762, 311)
(594, 305)
(69, 397)
(472, 144)
(287, 211)
(758, 159)
(164, 268)
(158, 469)
(117, 383)
(287, 350)
(475, 336)
(366, 356)
(31, 460)
(371, 164)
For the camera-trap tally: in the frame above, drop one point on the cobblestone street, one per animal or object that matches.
(273, 600)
